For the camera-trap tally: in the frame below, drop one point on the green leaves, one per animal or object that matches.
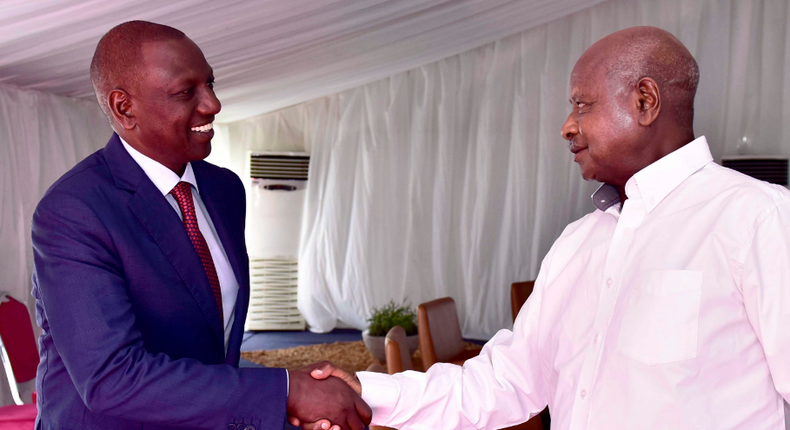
(390, 315)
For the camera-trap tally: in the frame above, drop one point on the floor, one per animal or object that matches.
(257, 340)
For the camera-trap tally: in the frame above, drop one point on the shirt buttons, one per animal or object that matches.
(596, 338)
(583, 394)
(609, 282)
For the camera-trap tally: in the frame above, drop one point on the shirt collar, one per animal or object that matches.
(163, 178)
(657, 180)
(605, 197)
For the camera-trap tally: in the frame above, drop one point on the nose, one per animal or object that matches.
(209, 104)
(571, 127)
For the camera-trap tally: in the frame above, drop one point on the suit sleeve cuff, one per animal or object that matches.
(380, 391)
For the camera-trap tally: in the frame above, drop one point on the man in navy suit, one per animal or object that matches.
(141, 270)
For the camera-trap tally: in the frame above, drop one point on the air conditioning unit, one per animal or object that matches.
(274, 219)
(273, 283)
(769, 169)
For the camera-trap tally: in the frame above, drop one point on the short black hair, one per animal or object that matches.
(118, 56)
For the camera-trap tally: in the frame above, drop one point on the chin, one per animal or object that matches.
(201, 153)
(586, 175)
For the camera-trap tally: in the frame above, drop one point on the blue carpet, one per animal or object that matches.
(257, 340)
(266, 340)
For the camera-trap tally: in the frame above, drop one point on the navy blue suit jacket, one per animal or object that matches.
(132, 337)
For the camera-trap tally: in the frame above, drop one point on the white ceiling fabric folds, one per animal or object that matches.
(266, 54)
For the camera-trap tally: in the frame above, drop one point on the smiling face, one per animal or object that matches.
(602, 129)
(168, 113)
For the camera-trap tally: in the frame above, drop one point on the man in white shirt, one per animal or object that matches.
(668, 307)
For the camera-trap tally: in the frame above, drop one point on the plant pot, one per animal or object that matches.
(375, 345)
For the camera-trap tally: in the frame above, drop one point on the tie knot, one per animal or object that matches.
(182, 192)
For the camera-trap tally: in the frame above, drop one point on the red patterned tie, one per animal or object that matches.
(183, 194)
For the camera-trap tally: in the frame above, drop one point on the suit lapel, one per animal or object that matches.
(219, 209)
(214, 199)
(163, 224)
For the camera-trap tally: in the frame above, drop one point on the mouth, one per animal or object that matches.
(575, 148)
(205, 128)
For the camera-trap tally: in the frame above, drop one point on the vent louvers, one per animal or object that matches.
(279, 166)
(273, 295)
(769, 169)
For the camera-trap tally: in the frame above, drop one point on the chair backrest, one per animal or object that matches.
(17, 343)
(397, 350)
(439, 330)
(519, 293)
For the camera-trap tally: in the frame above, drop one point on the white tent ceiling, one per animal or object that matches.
(266, 54)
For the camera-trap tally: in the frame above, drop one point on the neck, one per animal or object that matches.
(621, 191)
(673, 139)
(177, 168)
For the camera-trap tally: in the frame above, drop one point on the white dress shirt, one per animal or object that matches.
(165, 180)
(672, 313)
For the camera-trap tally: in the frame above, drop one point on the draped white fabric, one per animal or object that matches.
(41, 137)
(266, 54)
(451, 179)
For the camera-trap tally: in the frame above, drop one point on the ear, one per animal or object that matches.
(121, 108)
(649, 101)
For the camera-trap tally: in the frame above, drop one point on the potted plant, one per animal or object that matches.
(382, 320)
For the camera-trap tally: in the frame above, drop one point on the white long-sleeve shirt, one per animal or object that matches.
(672, 312)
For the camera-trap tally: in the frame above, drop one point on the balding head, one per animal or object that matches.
(633, 97)
(118, 60)
(648, 52)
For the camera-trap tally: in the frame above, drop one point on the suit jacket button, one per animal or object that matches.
(250, 427)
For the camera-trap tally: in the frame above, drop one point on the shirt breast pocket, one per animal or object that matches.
(661, 319)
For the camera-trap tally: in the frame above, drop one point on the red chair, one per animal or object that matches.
(20, 361)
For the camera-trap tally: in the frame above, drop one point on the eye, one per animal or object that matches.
(187, 91)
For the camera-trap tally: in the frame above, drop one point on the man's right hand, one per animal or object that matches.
(313, 398)
(327, 369)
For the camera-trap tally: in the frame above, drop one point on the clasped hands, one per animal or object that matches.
(324, 397)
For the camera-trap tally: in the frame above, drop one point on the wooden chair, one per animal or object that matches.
(440, 333)
(396, 349)
(519, 293)
(441, 341)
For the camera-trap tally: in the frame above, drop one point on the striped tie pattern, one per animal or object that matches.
(183, 195)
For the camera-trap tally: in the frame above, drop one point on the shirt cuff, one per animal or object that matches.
(380, 391)
(287, 383)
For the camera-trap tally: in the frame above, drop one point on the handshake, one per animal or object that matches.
(322, 396)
